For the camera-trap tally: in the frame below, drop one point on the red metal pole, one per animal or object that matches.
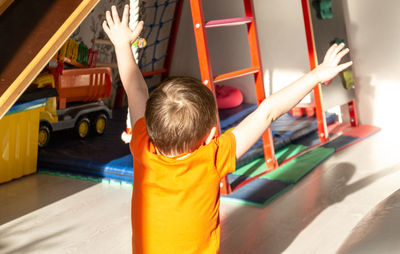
(201, 43)
(205, 63)
(312, 56)
(353, 113)
(269, 150)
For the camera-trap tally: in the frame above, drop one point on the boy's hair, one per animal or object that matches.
(179, 115)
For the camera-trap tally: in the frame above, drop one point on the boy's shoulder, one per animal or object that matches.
(138, 133)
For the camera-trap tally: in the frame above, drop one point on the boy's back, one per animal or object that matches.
(175, 202)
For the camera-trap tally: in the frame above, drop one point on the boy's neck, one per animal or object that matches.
(177, 156)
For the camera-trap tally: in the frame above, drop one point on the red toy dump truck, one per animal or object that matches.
(78, 104)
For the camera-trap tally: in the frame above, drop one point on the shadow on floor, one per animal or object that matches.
(29, 193)
(272, 229)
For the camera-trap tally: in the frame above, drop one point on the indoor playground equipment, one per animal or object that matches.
(301, 141)
(252, 184)
(207, 76)
(337, 136)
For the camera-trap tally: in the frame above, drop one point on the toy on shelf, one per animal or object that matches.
(78, 105)
(92, 59)
(76, 54)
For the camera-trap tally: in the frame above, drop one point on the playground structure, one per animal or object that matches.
(325, 135)
(200, 25)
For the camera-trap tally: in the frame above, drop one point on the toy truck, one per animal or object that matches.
(78, 105)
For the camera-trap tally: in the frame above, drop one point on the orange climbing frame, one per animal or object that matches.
(312, 56)
(207, 77)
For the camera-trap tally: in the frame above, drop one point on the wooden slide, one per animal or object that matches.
(31, 33)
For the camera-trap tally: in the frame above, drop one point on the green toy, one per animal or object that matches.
(347, 76)
(323, 8)
(347, 79)
(337, 41)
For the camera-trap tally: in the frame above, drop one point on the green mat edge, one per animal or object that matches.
(83, 178)
(277, 154)
(330, 152)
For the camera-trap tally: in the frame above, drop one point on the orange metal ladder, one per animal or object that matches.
(256, 70)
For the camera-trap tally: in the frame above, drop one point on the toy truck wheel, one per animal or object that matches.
(82, 127)
(44, 135)
(100, 124)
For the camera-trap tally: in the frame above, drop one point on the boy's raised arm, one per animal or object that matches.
(254, 125)
(122, 37)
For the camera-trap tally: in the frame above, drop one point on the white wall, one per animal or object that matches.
(374, 35)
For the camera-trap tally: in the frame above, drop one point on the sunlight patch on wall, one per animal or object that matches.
(278, 79)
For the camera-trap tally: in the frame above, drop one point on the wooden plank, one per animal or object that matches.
(35, 31)
(4, 4)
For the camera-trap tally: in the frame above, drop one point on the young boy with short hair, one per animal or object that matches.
(178, 161)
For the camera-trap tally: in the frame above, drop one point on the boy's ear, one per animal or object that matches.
(211, 135)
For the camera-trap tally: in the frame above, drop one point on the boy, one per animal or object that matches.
(177, 160)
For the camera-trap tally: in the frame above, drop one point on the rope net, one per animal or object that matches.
(158, 16)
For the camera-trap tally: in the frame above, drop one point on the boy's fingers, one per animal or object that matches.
(115, 14)
(344, 66)
(341, 54)
(125, 15)
(338, 49)
(109, 19)
(106, 28)
(329, 52)
(137, 30)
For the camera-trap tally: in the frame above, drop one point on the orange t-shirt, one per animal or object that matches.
(175, 201)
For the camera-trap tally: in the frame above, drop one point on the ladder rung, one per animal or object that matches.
(229, 22)
(236, 74)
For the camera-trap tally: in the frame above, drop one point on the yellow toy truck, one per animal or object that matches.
(78, 104)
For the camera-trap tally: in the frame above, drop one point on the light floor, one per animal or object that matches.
(51, 214)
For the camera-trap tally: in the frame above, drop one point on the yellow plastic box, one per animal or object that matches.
(19, 130)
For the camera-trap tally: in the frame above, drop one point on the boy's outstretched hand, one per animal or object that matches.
(118, 31)
(122, 37)
(329, 68)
